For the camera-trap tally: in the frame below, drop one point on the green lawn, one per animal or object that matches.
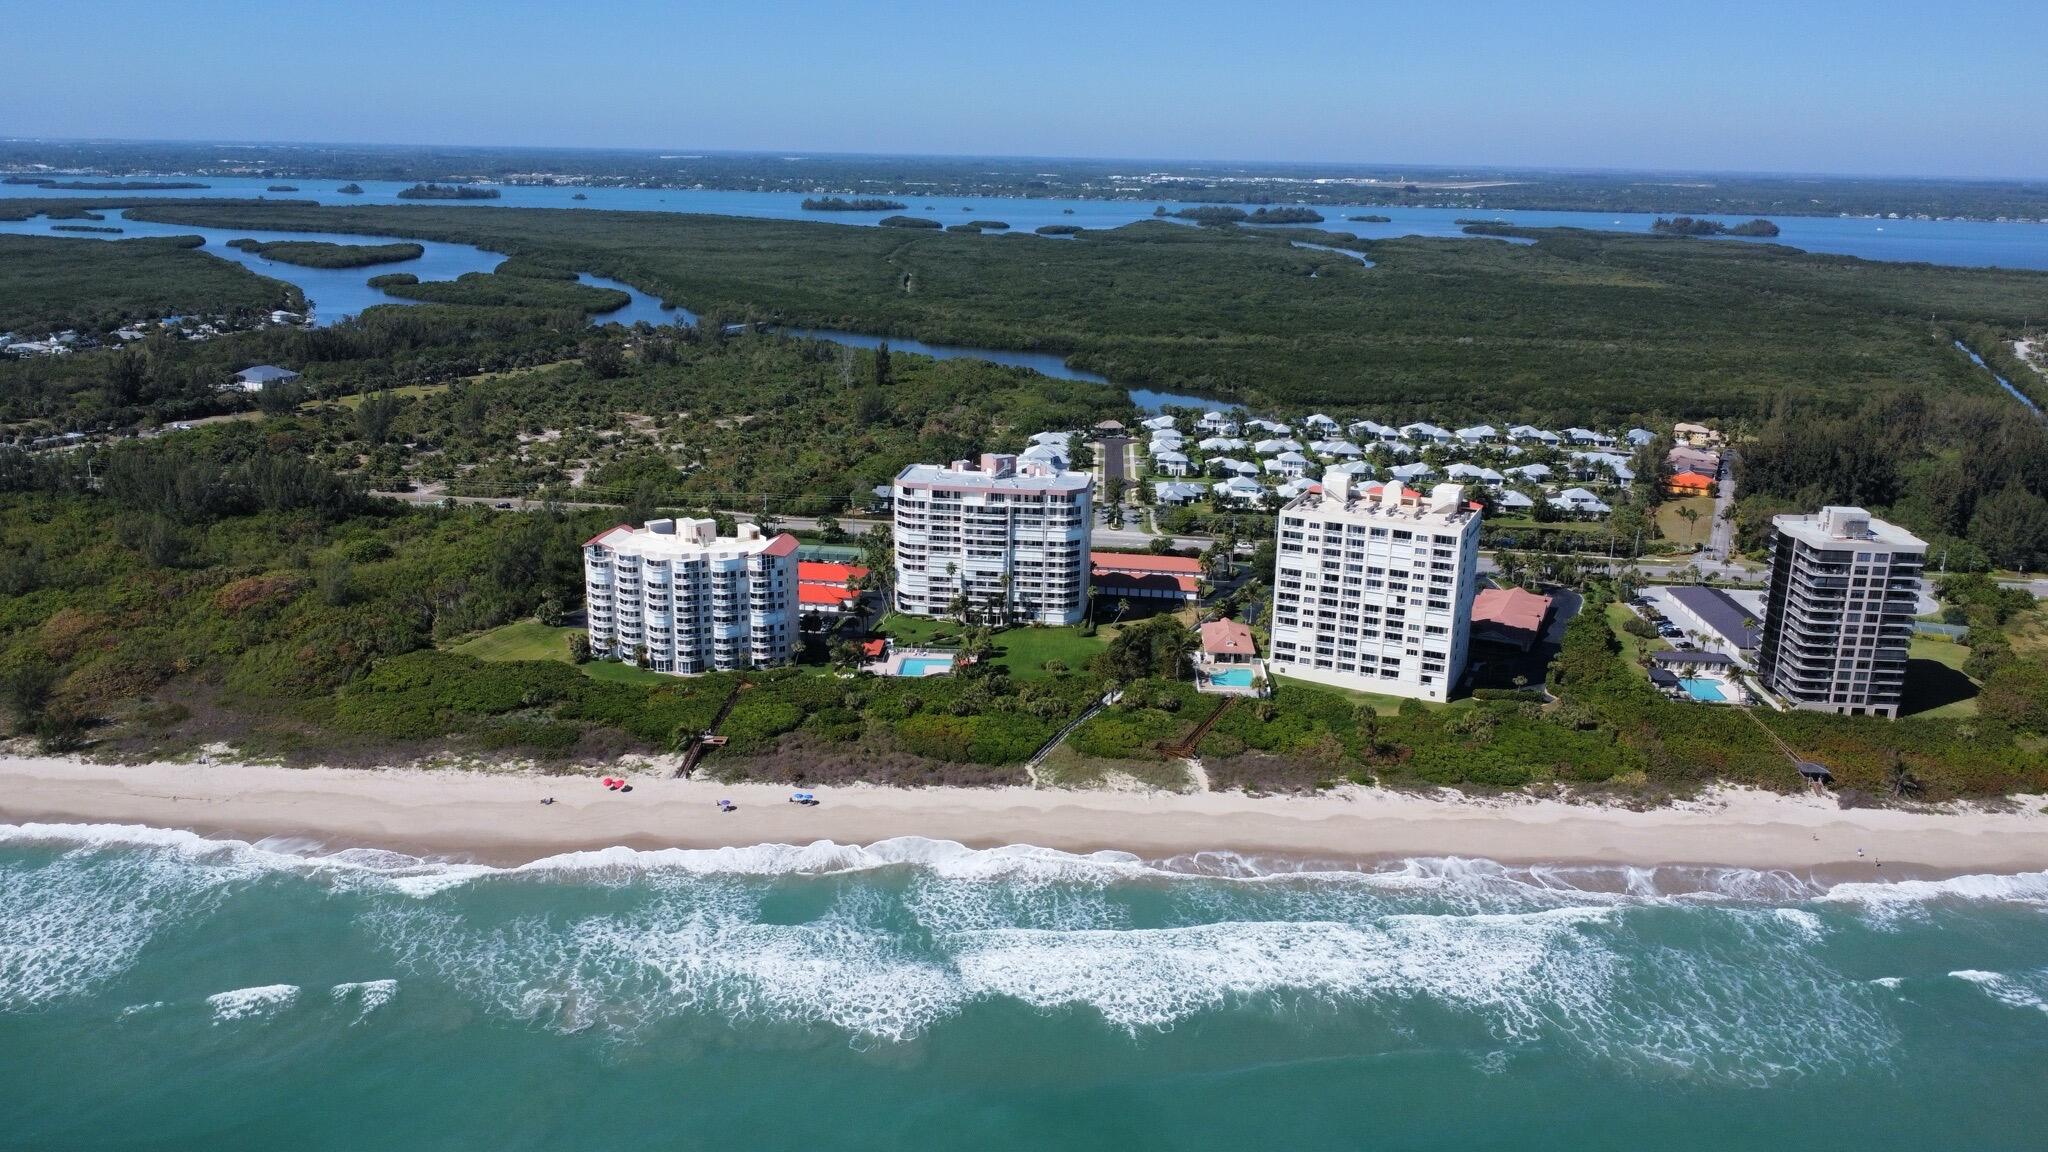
(527, 640)
(1672, 523)
(1024, 651)
(1935, 684)
(409, 392)
(907, 630)
(521, 640)
(1381, 703)
(1632, 647)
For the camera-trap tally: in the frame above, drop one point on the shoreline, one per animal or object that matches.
(497, 818)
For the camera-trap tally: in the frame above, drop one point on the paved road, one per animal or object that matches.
(1721, 543)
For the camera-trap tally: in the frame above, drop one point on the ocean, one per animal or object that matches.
(162, 990)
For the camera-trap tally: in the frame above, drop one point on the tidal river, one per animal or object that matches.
(160, 990)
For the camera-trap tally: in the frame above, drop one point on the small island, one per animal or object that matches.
(83, 228)
(392, 280)
(1285, 216)
(431, 191)
(1213, 215)
(579, 196)
(1371, 219)
(282, 188)
(1058, 229)
(324, 254)
(350, 189)
(907, 222)
(1701, 226)
(990, 225)
(841, 204)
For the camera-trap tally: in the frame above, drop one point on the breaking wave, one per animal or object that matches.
(1720, 972)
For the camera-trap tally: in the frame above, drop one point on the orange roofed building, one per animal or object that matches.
(1510, 616)
(1690, 484)
(1144, 576)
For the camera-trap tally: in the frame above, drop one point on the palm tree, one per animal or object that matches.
(1122, 606)
(1174, 650)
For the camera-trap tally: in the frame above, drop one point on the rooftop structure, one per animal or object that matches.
(1509, 616)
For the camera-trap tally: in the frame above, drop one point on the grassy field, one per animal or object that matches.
(1594, 326)
(1381, 703)
(1024, 651)
(527, 640)
(919, 630)
(1935, 684)
(1632, 647)
(355, 400)
(519, 640)
(1671, 520)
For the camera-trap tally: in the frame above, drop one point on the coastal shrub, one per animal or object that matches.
(756, 720)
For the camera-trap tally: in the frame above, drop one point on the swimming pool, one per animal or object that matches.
(925, 666)
(1708, 691)
(1232, 678)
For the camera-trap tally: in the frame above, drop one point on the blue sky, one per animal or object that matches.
(1873, 87)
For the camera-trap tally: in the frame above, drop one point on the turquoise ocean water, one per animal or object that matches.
(159, 990)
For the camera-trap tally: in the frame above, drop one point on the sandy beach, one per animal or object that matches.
(498, 818)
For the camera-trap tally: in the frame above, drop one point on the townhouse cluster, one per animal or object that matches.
(1258, 461)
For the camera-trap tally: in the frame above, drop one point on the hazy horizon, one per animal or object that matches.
(1878, 88)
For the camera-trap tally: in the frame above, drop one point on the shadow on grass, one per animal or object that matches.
(1930, 684)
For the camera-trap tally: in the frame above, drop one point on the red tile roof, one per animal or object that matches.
(874, 647)
(825, 572)
(1227, 638)
(1512, 608)
(1145, 563)
(1692, 480)
(822, 594)
(607, 532)
(782, 545)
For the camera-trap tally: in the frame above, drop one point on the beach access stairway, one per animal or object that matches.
(1059, 737)
(710, 736)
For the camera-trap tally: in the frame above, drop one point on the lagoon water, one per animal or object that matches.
(1964, 242)
(164, 991)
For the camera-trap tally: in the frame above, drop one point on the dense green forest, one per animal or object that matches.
(326, 254)
(1579, 326)
(500, 290)
(49, 283)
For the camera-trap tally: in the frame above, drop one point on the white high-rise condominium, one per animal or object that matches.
(1011, 539)
(1838, 611)
(689, 600)
(1374, 588)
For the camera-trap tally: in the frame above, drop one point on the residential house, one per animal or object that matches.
(1422, 430)
(1342, 448)
(1477, 434)
(1696, 435)
(1320, 422)
(1373, 430)
(1535, 473)
(1174, 495)
(1158, 423)
(1276, 445)
(1288, 464)
(1228, 642)
(1510, 500)
(1473, 474)
(1640, 436)
(1170, 463)
(1589, 436)
(1690, 484)
(261, 376)
(1222, 444)
(1580, 502)
(1228, 466)
(1241, 489)
(1407, 472)
(1531, 433)
(1587, 464)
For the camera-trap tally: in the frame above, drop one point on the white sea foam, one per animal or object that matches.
(1887, 904)
(244, 1003)
(2024, 991)
(366, 995)
(1887, 981)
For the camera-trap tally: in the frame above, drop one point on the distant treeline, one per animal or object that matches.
(446, 192)
(1225, 214)
(51, 282)
(83, 228)
(1369, 219)
(103, 185)
(1701, 226)
(841, 204)
(282, 188)
(325, 254)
